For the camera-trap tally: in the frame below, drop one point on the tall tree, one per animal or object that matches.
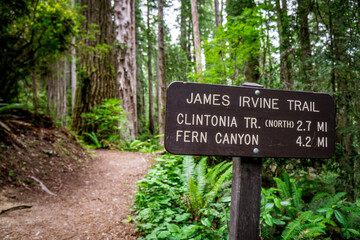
(196, 32)
(73, 66)
(141, 82)
(161, 71)
(185, 37)
(150, 74)
(97, 80)
(56, 92)
(217, 13)
(124, 11)
(284, 36)
(303, 10)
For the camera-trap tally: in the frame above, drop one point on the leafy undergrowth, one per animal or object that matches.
(180, 199)
(32, 146)
(184, 198)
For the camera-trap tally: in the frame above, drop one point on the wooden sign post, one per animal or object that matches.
(245, 200)
(248, 122)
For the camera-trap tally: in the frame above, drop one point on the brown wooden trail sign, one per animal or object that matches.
(204, 119)
(248, 122)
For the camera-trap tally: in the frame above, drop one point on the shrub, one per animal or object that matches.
(108, 122)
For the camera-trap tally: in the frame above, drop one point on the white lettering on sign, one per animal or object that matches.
(322, 126)
(258, 102)
(237, 138)
(272, 123)
(205, 120)
(302, 106)
(322, 142)
(191, 136)
(251, 122)
(209, 99)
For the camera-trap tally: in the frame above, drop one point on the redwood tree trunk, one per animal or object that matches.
(56, 93)
(217, 16)
(73, 66)
(97, 80)
(124, 11)
(304, 8)
(34, 89)
(283, 28)
(197, 46)
(150, 75)
(161, 72)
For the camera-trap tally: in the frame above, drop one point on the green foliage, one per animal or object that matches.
(180, 199)
(31, 32)
(6, 107)
(108, 122)
(232, 46)
(285, 214)
(94, 139)
(151, 145)
(202, 188)
(183, 197)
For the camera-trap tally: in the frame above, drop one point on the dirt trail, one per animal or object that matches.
(90, 205)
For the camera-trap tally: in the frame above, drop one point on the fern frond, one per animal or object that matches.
(287, 180)
(201, 172)
(310, 230)
(218, 170)
(317, 200)
(334, 200)
(94, 139)
(195, 198)
(211, 172)
(188, 169)
(284, 191)
(296, 196)
(217, 186)
(295, 227)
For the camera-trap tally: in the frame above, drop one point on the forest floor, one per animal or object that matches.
(91, 203)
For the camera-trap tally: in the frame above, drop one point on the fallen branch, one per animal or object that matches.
(43, 187)
(15, 208)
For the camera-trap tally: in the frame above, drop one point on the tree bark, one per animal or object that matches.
(304, 8)
(97, 80)
(73, 66)
(126, 59)
(217, 16)
(34, 88)
(283, 29)
(56, 93)
(150, 75)
(161, 72)
(196, 31)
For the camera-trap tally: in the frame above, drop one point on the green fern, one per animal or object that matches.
(285, 193)
(213, 175)
(94, 139)
(217, 186)
(12, 106)
(201, 173)
(333, 200)
(294, 228)
(195, 199)
(202, 187)
(296, 196)
(188, 169)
